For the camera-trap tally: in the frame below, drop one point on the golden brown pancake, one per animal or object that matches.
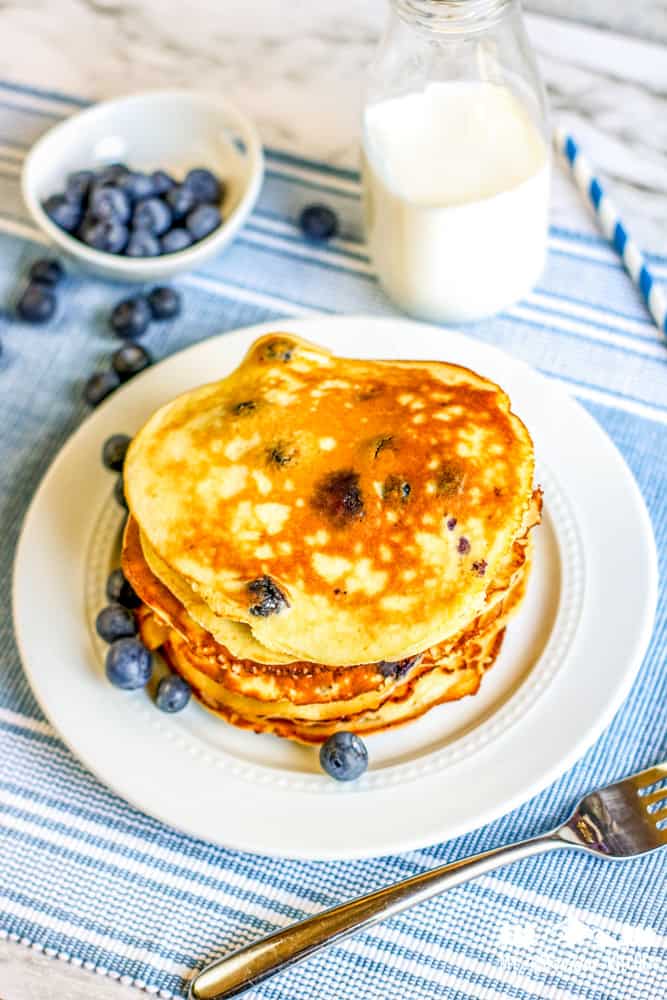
(411, 697)
(305, 683)
(346, 511)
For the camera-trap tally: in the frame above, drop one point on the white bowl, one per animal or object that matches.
(172, 129)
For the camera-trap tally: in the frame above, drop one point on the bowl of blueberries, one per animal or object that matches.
(146, 186)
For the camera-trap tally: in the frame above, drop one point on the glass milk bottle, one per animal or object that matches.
(456, 159)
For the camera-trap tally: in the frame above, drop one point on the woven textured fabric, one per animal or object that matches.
(87, 878)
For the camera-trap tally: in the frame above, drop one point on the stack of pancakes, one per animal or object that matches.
(326, 544)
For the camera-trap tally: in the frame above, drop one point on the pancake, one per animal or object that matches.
(237, 637)
(305, 683)
(348, 512)
(453, 678)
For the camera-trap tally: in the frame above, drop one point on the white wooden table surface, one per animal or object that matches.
(610, 90)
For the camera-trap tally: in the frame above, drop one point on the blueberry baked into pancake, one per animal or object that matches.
(325, 544)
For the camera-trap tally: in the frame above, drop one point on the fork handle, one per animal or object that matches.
(251, 965)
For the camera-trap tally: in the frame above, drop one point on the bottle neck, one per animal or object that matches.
(452, 16)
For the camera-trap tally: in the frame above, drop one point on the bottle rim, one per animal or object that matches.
(451, 15)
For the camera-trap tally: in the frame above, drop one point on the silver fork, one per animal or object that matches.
(617, 822)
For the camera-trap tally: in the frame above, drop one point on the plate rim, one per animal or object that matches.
(483, 816)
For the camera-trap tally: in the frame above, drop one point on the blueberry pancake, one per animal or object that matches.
(343, 512)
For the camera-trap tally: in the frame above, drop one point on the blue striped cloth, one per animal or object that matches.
(88, 879)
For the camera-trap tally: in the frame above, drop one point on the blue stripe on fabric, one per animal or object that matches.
(293, 886)
(125, 876)
(616, 393)
(26, 110)
(280, 156)
(304, 257)
(56, 95)
(66, 944)
(594, 323)
(313, 185)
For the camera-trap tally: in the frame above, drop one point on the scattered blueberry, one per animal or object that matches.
(106, 202)
(165, 302)
(152, 215)
(114, 451)
(115, 622)
(99, 386)
(142, 244)
(175, 240)
(46, 271)
(162, 182)
(37, 304)
(318, 222)
(181, 200)
(129, 664)
(120, 591)
(66, 214)
(204, 185)
(78, 184)
(119, 493)
(129, 360)
(130, 318)
(201, 221)
(173, 694)
(344, 756)
(109, 235)
(136, 185)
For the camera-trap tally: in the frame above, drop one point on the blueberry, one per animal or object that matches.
(108, 202)
(129, 664)
(130, 318)
(37, 304)
(175, 240)
(111, 173)
(344, 756)
(136, 185)
(181, 200)
(109, 235)
(46, 271)
(114, 451)
(152, 215)
(173, 694)
(204, 185)
(115, 622)
(203, 220)
(99, 386)
(165, 302)
(120, 591)
(129, 360)
(162, 182)
(142, 244)
(66, 214)
(78, 185)
(119, 493)
(318, 222)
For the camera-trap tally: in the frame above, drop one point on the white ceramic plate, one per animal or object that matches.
(567, 663)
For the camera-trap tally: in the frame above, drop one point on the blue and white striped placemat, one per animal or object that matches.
(88, 879)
